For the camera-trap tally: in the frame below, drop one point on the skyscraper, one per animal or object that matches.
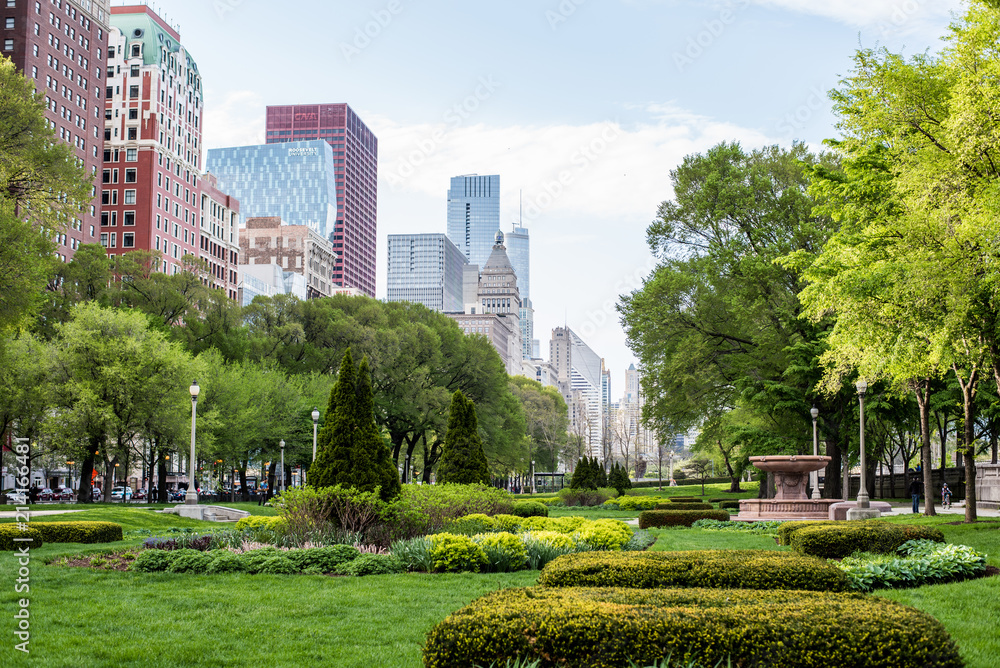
(474, 215)
(295, 182)
(355, 157)
(61, 47)
(519, 250)
(583, 382)
(426, 269)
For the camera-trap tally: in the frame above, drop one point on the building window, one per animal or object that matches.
(8, 45)
(130, 175)
(134, 71)
(129, 197)
(104, 239)
(133, 92)
(129, 219)
(128, 239)
(9, 22)
(131, 155)
(133, 114)
(136, 50)
(114, 240)
(105, 197)
(104, 221)
(133, 134)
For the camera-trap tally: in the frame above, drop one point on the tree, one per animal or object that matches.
(699, 468)
(42, 188)
(547, 419)
(619, 479)
(350, 451)
(583, 475)
(463, 460)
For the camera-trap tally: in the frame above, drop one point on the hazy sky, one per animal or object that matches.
(584, 105)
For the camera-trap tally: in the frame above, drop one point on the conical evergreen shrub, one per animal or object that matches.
(463, 460)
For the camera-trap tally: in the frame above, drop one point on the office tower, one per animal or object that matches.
(293, 249)
(426, 269)
(519, 249)
(61, 47)
(152, 191)
(474, 215)
(355, 155)
(583, 381)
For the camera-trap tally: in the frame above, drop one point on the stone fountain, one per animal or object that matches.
(791, 477)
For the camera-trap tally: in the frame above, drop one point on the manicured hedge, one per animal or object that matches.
(275, 523)
(786, 530)
(713, 569)
(8, 532)
(673, 518)
(633, 502)
(530, 509)
(79, 532)
(608, 627)
(724, 505)
(844, 538)
(684, 499)
(684, 506)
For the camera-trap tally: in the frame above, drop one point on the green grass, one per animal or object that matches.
(129, 518)
(673, 540)
(81, 617)
(250, 507)
(595, 513)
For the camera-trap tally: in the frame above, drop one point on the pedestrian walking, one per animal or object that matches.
(915, 489)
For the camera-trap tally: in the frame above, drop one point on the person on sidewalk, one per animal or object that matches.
(945, 496)
(915, 489)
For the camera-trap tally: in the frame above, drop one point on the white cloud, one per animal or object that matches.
(887, 16)
(235, 120)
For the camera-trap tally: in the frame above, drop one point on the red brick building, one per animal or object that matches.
(61, 46)
(219, 243)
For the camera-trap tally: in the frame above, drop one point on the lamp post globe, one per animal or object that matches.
(191, 497)
(863, 510)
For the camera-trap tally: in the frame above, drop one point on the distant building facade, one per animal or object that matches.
(581, 377)
(294, 248)
(219, 244)
(474, 215)
(425, 269)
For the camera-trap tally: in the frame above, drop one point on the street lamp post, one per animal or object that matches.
(406, 471)
(315, 417)
(532, 476)
(191, 497)
(863, 510)
(815, 474)
(281, 444)
(70, 465)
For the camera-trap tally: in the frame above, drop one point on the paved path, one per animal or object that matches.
(37, 513)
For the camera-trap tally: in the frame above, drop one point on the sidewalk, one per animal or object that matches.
(10, 514)
(957, 509)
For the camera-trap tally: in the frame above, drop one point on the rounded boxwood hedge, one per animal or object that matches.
(8, 532)
(725, 505)
(530, 509)
(713, 569)
(79, 532)
(834, 541)
(786, 529)
(608, 627)
(683, 506)
(677, 518)
(684, 499)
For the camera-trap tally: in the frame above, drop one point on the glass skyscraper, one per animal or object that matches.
(519, 251)
(293, 181)
(474, 215)
(426, 269)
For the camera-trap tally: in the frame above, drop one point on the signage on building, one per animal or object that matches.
(303, 151)
(307, 116)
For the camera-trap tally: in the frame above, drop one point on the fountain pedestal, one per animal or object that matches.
(790, 502)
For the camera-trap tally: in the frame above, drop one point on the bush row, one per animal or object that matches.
(915, 563)
(693, 505)
(607, 627)
(844, 538)
(60, 532)
(673, 518)
(262, 523)
(765, 527)
(715, 569)
(268, 560)
(530, 509)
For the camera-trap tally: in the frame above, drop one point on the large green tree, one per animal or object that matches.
(463, 460)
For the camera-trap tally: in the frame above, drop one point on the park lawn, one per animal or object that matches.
(250, 506)
(130, 519)
(595, 513)
(675, 540)
(83, 617)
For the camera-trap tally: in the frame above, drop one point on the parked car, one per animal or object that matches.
(46, 495)
(118, 492)
(140, 494)
(177, 495)
(65, 494)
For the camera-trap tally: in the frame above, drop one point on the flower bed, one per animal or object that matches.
(915, 563)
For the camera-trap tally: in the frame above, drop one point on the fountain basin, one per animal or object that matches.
(791, 478)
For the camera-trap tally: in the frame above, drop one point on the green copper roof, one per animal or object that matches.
(154, 38)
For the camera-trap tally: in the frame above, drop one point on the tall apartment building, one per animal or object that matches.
(582, 381)
(60, 45)
(150, 185)
(294, 249)
(355, 157)
(219, 244)
(474, 215)
(426, 269)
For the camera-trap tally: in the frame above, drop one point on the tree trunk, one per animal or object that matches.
(244, 492)
(969, 440)
(922, 389)
(161, 474)
(831, 474)
(85, 493)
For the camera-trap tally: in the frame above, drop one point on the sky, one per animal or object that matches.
(583, 107)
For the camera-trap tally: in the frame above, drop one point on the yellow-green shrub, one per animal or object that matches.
(786, 529)
(605, 534)
(508, 523)
(504, 552)
(456, 554)
(552, 538)
(714, 569)
(633, 502)
(608, 627)
(275, 523)
(79, 532)
(673, 518)
(531, 508)
(8, 532)
(844, 538)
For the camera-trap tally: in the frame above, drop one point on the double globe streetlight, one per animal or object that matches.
(815, 474)
(191, 497)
